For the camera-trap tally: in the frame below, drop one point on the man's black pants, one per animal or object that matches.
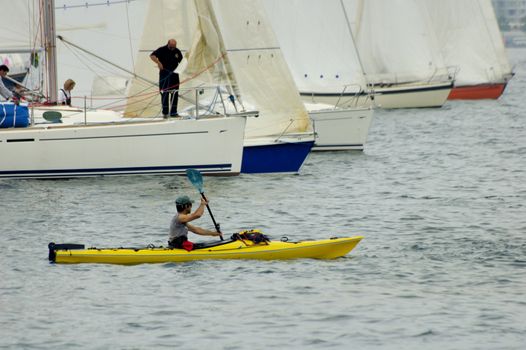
(169, 85)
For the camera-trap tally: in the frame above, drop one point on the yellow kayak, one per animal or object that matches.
(233, 249)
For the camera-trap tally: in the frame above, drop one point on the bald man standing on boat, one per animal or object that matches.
(180, 224)
(167, 59)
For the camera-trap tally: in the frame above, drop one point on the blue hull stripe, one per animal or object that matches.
(275, 158)
(208, 168)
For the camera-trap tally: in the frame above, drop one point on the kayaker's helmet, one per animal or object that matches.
(183, 202)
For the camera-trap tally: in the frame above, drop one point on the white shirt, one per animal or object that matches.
(177, 228)
(5, 92)
(63, 95)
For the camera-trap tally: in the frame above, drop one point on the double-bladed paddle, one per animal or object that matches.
(196, 179)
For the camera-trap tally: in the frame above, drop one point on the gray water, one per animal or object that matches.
(439, 195)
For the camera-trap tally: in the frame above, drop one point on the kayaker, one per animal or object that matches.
(180, 224)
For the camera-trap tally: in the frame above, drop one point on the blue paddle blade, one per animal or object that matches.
(195, 178)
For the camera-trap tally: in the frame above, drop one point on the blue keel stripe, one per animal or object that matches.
(207, 168)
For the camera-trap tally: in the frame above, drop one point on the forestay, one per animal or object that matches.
(320, 50)
(470, 40)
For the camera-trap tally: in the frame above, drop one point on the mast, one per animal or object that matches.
(354, 42)
(47, 13)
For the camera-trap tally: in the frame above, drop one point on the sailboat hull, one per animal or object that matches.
(477, 92)
(268, 155)
(213, 146)
(417, 95)
(340, 129)
(412, 95)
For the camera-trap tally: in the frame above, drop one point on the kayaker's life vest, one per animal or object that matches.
(251, 235)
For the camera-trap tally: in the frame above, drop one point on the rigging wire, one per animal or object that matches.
(141, 95)
(129, 37)
(87, 4)
(83, 60)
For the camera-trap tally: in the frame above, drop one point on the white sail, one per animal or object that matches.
(107, 29)
(319, 48)
(261, 72)
(19, 26)
(204, 63)
(470, 40)
(235, 49)
(394, 41)
(208, 63)
(167, 19)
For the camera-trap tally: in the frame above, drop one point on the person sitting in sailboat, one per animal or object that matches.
(64, 96)
(4, 91)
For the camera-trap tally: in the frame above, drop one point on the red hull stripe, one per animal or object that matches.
(477, 92)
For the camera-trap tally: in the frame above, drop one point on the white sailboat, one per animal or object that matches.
(241, 56)
(399, 53)
(470, 41)
(152, 146)
(326, 68)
